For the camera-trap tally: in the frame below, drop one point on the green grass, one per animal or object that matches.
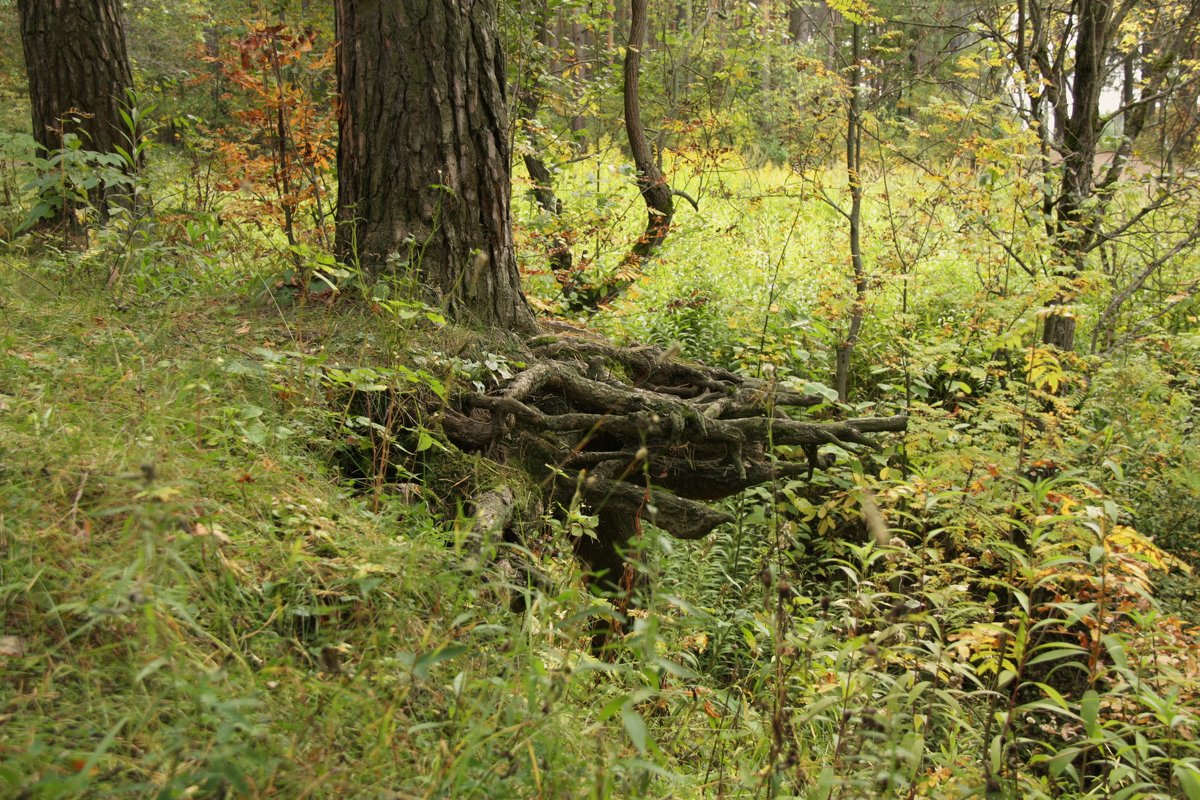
(199, 602)
(195, 603)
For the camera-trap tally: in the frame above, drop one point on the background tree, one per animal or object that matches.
(1065, 59)
(854, 137)
(660, 206)
(530, 92)
(424, 153)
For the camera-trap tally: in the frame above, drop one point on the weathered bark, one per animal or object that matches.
(653, 446)
(424, 155)
(79, 75)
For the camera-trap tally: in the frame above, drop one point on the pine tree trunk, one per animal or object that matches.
(424, 154)
(79, 72)
(75, 55)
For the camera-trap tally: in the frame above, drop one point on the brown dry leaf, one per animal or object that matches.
(233, 566)
(12, 647)
(199, 529)
(875, 521)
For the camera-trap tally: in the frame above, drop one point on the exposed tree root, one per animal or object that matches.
(634, 434)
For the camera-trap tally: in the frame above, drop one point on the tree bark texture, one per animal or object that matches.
(76, 59)
(656, 444)
(424, 155)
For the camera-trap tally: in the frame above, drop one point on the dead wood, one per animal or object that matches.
(637, 435)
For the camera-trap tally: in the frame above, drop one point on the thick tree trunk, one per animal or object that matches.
(424, 154)
(78, 69)
(75, 55)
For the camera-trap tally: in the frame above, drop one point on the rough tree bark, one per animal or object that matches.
(79, 74)
(654, 445)
(424, 155)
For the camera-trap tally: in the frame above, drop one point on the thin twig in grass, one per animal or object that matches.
(74, 514)
(33, 278)
(282, 316)
(774, 292)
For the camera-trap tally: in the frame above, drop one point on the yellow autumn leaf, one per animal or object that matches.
(1130, 541)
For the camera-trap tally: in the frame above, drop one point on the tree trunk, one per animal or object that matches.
(845, 348)
(1080, 137)
(75, 55)
(79, 75)
(660, 208)
(1060, 329)
(423, 153)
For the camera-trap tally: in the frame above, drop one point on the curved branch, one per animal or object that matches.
(659, 207)
(686, 196)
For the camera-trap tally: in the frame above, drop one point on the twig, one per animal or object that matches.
(686, 196)
(33, 278)
(83, 479)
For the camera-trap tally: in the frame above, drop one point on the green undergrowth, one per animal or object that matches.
(235, 557)
(194, 604)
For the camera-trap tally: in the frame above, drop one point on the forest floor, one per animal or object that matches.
(215, 583)
(195, 603)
